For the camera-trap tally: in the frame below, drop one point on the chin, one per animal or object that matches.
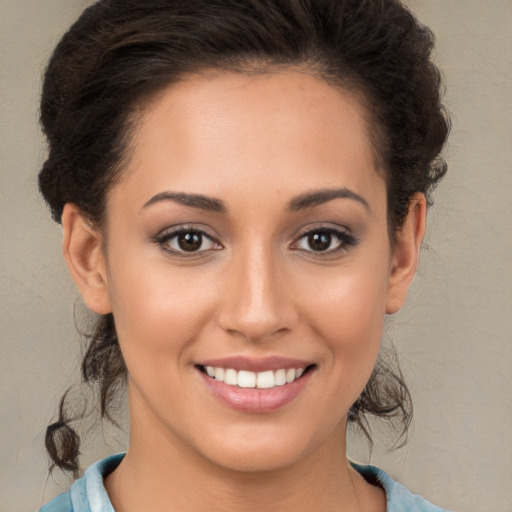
(261, 450)
(257, 459)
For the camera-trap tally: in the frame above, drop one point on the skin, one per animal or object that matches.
(257, 289)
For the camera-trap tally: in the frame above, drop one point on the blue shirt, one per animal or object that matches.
(88, 494)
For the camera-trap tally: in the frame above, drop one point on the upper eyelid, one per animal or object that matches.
(166, 236)
(344, 235)
(332, 231)
(323, 227)
(171, 231)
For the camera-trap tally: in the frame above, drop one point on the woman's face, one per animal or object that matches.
(248, 239)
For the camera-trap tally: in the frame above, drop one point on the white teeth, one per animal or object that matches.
(280, 378)
(261, 380)
(230, 377)
(265, 380)
(246, 379)
(219, 374)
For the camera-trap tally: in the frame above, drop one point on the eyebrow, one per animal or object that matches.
(301, 202)
(192, 200)
(318, 197)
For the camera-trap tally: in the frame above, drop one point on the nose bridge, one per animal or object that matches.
(255, 303)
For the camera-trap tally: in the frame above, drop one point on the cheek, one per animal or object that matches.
(348, 313)
(353, 301)
(343, 312)
(158, 311)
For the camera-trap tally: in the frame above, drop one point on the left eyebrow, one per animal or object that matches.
(318, 197)
(191, 200)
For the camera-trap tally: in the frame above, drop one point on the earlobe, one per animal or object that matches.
(406, 253)
(83, 251)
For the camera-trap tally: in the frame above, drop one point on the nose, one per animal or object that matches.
(257, 302)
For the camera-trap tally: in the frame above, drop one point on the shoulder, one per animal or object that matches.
(398, 498)
(61, 503)
(87, 493)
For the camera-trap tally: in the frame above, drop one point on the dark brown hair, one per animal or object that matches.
(122, 52)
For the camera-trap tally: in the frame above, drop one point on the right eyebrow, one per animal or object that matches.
(191, 200)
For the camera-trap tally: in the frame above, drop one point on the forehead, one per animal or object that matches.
(223, 129)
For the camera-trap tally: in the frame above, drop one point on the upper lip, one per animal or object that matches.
(256, 364)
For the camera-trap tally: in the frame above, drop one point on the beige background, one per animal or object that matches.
(454, 336)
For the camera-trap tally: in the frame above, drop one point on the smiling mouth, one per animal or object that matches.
(258, 380)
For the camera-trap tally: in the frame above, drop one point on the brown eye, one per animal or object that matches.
(182, 241)
(319, 241)
(325, 241)
(190, 242)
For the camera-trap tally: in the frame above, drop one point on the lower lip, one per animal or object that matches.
(253, 399)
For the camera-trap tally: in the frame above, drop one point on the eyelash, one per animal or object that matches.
(165, 237)
(345, 240)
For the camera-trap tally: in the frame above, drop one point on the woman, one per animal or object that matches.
(243, 190)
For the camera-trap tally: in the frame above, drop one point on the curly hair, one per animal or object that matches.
(120, 53)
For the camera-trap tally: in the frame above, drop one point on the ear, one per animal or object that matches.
(405, 253)
(83, 252)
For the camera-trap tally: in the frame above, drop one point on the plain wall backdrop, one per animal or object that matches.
(454, 336)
